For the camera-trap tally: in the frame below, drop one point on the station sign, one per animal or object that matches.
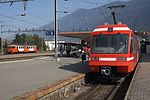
(50, 33)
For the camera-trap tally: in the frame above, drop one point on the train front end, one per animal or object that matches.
(111, 50)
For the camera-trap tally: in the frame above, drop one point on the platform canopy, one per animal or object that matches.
(82, 35)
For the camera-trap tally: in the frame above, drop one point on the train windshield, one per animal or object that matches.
(110, 43)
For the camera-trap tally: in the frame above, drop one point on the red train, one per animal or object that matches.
(114, 50)
(21, 48)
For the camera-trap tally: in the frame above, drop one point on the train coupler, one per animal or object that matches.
(106, 71)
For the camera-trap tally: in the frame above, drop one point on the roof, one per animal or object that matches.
(82, 35)
(113, 28)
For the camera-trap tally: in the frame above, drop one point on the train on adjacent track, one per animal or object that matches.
(114, 51)
(21, 49)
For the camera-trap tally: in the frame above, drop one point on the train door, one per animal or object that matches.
(133, 53)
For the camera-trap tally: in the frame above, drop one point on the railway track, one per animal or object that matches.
(107, 91)
(111, 91)
(100, 91)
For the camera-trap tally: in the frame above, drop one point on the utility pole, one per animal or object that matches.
(2, 25)
(56, 28)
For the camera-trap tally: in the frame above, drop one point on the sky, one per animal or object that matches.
(41, 12)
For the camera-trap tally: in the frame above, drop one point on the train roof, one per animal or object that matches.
(113, 28)
(13, 45)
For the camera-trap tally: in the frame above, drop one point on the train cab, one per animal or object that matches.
(114, 50)
(12, 49)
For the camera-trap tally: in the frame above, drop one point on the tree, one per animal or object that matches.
(17, 39)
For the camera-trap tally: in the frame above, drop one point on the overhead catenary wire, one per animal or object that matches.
(35, 16)
(130, 18)
(100, 10)
(64, 7)
(10, 25)
(70, 12)
(90, 2)
(98, 5)
(20, 20)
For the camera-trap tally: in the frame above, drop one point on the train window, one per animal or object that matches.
(110, 43)
(12, 47)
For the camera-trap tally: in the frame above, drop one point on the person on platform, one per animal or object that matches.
(61, 50)
(84, 53)
(68, 49)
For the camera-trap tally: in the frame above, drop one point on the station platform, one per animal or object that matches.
(21, 76)
(140, 86)
(24, 55)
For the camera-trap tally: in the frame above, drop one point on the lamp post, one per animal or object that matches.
(2, 24)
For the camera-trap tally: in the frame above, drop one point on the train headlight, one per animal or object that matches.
(121, 59)
(94, 58)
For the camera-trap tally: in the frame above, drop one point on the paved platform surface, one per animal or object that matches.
(140, 88)
(18, 77)
(24, 55)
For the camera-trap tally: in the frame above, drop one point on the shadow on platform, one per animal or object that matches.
(145, 58)
(78, 67)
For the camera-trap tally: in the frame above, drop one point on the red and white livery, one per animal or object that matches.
(21, 48)
(114, 50)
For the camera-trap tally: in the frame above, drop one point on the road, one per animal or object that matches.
(18, 77)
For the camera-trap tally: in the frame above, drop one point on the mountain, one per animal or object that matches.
(135, 14)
